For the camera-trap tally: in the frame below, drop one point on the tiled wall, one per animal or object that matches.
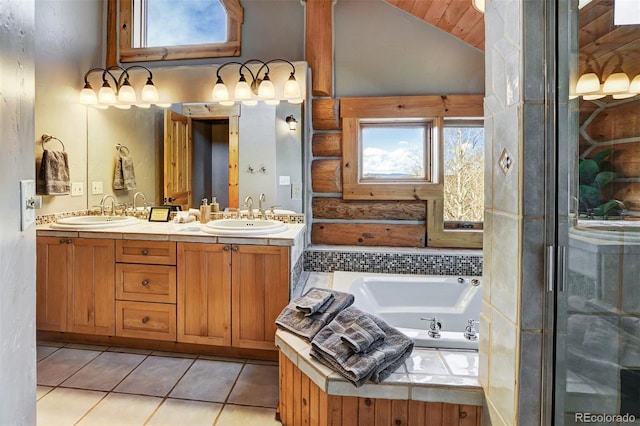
(512, 311)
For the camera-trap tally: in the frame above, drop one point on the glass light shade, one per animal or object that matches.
(588, 83)
(242, 90)
(623, 95)
(227, 103)
(149, 93)
(291, 88)
(266, 90)
(272, 101)
(106, 95)
(634, 86)
(88, 96)
(126, 93)
(478, 5)
(250, 102)
(220, 91)
(145, 106)
(163, 104)
(295, 101)
(617, 82)
(98, 106)
(593, 97)
(122, 106)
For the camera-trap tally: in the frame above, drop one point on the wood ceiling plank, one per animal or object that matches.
(453, 14)
(467, 21)
(436, 10)
(421, 7)
(475, 37)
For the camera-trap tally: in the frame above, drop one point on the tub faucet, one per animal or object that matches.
(434, 327)
(248, 203)
(262, 199)
(470, 333)
(113, 204)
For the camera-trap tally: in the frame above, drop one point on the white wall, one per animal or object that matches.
(17, 249)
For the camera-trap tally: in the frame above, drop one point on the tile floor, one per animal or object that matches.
(99, 385)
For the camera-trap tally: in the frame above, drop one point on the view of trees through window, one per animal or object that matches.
(464, 172)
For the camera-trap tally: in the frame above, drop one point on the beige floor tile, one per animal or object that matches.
(180, 412)
(257, 385)
(42, 391)
(207, 381)
(104, 372)
(45, 351)
(58, 366)
(155, 376)
(235, 415)
(121, 410)
(62, 407)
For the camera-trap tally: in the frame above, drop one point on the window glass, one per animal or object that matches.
(394, 151)
(463, 171)
(178, 22)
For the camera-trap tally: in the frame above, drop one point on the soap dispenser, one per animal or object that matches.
(215, 206)
(205, 211)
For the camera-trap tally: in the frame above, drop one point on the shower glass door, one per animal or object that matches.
(597, 294)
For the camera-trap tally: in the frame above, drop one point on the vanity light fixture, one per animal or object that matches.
(118, 91)
(617, 84)
(292, 122)
(257, 89)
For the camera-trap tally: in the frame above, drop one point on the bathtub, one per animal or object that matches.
(401, 300)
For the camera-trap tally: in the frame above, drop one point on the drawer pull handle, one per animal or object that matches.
(145, 320)
(63, 241)
(226, 248)
(235, 248)
(145, 282)
(145, 252)
(68, 241)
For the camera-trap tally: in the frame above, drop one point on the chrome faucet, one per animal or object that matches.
(135, 198)
(113, 204)
(470, 333)
(262, 199)
(248, 203)
(434, 327)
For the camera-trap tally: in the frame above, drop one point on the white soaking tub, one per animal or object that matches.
(402, 300)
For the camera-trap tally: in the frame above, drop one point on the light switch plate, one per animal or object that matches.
(285, 180)
(296, 191)
(76, 189)
(96, 188)
(27, 203)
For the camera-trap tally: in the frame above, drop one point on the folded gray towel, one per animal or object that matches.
(363, 335)
(124, 176)
(376, 365)
(53, 177)
(307, 327)
(316, 300)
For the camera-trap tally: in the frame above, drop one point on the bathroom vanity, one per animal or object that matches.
(165, 286)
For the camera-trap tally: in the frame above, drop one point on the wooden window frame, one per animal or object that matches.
(436, 108)
(120, 28)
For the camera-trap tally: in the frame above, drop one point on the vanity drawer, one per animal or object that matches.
(139, 251)
(146, 320)
(146, 283)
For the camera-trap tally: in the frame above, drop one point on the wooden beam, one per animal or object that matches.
(326, 176)
(337, 208)
(327, 145)
(368, 234)
(413, 106)
(111, 55)
(319, 45)
(325, 114)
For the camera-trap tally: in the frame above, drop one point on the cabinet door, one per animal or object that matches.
(52, 280)
(92, 287)
(260, 290)
(204, 293)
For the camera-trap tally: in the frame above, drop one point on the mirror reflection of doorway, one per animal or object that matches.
(211, 160)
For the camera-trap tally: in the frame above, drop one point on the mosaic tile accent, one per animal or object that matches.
(296, 273)
(51, 218)
(392, 263)
(285, 218)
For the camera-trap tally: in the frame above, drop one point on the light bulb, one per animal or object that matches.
(242, 90)
(220, 91)
(88, 96)
(126, 93)
(106, 95)
(291, 88)
(588, 83)
(149, 93)
(618, 82)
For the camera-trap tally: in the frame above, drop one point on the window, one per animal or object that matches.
(463, 148)
(395, 150)
(159, 30)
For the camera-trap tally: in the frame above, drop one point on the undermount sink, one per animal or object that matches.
(242, 227)
(94, 222)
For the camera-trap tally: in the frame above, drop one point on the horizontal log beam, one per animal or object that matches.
(368, 234)
(326, 114)
(413, 106)
(327, 145)
(337, 208)
(326, 176)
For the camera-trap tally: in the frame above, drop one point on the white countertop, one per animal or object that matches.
(169, 231)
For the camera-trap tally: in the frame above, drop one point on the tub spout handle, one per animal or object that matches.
(434, 327)
(470, 332)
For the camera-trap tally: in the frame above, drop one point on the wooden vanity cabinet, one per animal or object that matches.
(75, 285)
(230, 295)
(146, 289)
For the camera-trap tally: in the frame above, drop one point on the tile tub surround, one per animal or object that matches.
(111, 385)
(429, 375)
(428, 261)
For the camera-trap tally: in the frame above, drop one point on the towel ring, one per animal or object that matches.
(119, 148)
(46, 138)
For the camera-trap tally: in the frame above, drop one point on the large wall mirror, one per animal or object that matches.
(269, 153)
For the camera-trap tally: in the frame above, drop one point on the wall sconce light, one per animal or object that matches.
(121, 95)
(478, 5)
(617, 84)
(292, 122)
(258, 89)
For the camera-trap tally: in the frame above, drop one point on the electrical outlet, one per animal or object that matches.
(96, 188)
(296, 191)
(76, 189)
(28, 203)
